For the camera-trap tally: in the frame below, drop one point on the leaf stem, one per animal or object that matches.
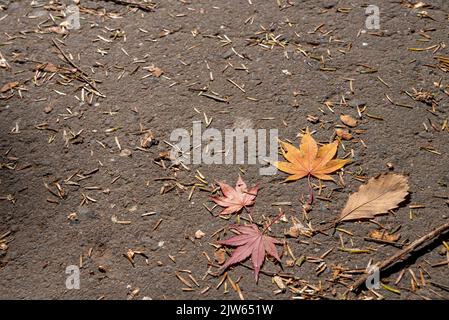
(274, 220)
(311, 198)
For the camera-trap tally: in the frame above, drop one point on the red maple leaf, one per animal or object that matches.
(250, 242)
(234, 200)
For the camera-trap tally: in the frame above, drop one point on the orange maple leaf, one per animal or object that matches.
(308, 160)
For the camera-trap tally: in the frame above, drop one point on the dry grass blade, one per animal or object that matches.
(379, 195)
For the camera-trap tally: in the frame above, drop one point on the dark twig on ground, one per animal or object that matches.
(83, 74)
(142, 6)
(400, 255)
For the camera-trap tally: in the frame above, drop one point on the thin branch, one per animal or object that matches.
(400, 255)
(84, 75)
(149, 7)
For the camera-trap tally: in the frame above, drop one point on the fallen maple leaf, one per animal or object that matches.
(234, 200)
(380, 194)
(308, 160)
(250, 242)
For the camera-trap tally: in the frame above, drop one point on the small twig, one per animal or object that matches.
(214, 97)
(401, 254)
(272, 274)
(84, 75)
(149, 7)
(68, 59)
(279, 216)
(382, 241)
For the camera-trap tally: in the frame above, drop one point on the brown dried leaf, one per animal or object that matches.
(57, 29)
(383, 235)
(220, 255)
(343, 134)
(50, 67)
(157, 72)
(148, 140)
(47, 67)
(163, 155)
(199, 234)
(298, 229)
(380, 194)
(9, 86)
(348, 120)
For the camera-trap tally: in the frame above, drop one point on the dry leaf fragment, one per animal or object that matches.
(220, 256)
(199, 234)
(57, 29)
(163, 155)
(383, 235)
(236, 199)
(147, 140)
(308, 160)
(298, 229)
(131, 253)
(250, 242)
(348, 120)
(157, 72)
(279, 282)
(3, 62)
(416, 5)
(343, 134)
(47, 67)
(48, 109)
(380, 194)
(125, 153)
(9, 86)
(50, 67)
